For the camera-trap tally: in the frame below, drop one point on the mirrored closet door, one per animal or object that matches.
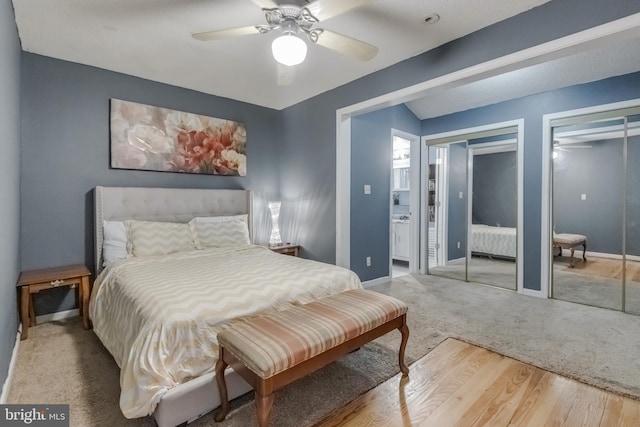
(632, 239)
(472, 207)
(595, 198)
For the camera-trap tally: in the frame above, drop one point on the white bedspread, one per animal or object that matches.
(500, 241)
(159, 316)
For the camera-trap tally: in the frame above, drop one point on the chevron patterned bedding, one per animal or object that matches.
(159, 315)
(500, 241)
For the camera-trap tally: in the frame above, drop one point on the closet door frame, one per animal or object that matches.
(439, 138)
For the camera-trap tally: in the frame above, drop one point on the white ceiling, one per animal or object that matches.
(152, 39)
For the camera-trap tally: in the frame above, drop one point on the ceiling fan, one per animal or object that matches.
(294, 21)
(557, 145)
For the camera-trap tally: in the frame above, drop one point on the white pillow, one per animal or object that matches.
(159, 238)
(220, 231)
(114, 244)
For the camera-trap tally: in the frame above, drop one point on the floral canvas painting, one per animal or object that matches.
(152, 138)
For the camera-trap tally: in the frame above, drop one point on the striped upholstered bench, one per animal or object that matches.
(275, 349)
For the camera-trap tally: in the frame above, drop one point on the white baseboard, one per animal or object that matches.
(375, 282)
(454, 261)
(59, 315)
(578, 254)
(12, 365)
(532, 293)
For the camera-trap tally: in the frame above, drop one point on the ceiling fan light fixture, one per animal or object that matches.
(289, 49)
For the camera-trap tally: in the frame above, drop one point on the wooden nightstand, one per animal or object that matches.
(33, 281)
(287, 249)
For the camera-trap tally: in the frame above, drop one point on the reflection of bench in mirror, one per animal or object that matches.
(570, 241)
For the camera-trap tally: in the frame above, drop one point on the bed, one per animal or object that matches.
(492, 241)
(158, 314)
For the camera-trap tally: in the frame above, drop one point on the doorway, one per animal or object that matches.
(404, 233)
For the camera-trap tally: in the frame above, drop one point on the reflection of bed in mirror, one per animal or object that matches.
(498, 242)
(158, 312)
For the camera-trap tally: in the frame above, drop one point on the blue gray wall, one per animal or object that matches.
(598, 172)
(65, 154)
(371, 163)
(456, 205)
(10, 178)
(495, 189)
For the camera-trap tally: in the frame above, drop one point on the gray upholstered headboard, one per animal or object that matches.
(164, 204)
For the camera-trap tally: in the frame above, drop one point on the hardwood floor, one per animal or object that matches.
(458, 384)
(602, 267)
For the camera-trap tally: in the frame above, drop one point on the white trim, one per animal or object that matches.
(532, 293)
(520, 231)
(423, 213)
(58, 315)
(609, 32)
(494, 147)
(546, 254)
(443, 213)
(476, 129)
(469, 203)
(343, 190)
(375, 282)
(6, 387)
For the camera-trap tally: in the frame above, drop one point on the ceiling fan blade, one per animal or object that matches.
(347, 45)
(225, 34)
(325, 9)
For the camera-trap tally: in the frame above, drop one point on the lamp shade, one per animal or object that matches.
(275, 238)
(289, 49)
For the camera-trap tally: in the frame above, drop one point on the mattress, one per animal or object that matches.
(498, 241)
(159, 316)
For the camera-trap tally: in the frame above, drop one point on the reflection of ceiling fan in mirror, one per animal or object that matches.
(294, 22)
(558, 146)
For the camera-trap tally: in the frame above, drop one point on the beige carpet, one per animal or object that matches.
(62, 363)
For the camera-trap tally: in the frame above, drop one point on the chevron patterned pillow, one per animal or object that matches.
(230, 232)
(159, 238)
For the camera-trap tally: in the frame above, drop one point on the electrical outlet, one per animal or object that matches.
(458, 245)
(461, 195)
(583, 197)
(368, 261)
(367, 189)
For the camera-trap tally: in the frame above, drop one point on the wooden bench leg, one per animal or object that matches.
(263, 407)
(404, 330)
(221, 365)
